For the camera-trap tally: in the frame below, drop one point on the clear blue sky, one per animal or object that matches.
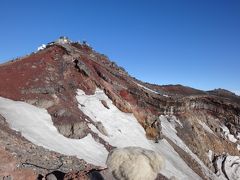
(191, 42)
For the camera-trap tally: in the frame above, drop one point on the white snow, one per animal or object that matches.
(210, 155)
(144, 87)
(35, 125)
(165, 95)
(230, 137)
(230, 165)
(176, 168)
(238, 147)
(168, 129)
(148, 89)
(124, 130)
(43, 46)
(205, 127)
(238, 135)
(227, 134)
(237, 92)
(175, 121)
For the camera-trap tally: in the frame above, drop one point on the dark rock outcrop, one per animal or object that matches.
(51, 77)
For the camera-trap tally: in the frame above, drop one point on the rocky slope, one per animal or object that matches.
(86, 94)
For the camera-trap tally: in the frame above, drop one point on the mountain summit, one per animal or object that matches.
(66, 106)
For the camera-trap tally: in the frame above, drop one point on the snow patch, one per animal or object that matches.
(144, 87)
(43, 46)
(231, 137)
(205, 127)
(124, 130)
(238, 136)
(175, 166)
(227, 134)
(168, 129)
(148, 89)
(210, 155)
(35, 124)
(237, 92)
(228, 167)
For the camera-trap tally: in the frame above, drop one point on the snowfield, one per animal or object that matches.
(116, 127)
(124, 130)
(36, 125)
(228, 167)
(169, 124)
(227, 134)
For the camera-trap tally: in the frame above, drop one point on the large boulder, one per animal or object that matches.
(134, 163)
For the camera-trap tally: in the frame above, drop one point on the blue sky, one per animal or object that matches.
(190, 42)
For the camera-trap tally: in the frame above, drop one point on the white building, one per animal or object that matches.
(63, 40)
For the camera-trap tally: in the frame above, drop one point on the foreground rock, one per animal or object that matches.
(9, 170)
(134, 163)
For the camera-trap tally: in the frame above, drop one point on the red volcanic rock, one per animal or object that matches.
(9, 170)
(51, 77)
(127, 96)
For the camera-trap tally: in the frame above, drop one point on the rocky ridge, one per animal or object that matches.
(49, 78)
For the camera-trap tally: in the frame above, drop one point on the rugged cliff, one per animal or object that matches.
(202, 128)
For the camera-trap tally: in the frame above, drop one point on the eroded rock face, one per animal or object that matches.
(59, 70)
(75, 130)
(202, 133)
(50, 78)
